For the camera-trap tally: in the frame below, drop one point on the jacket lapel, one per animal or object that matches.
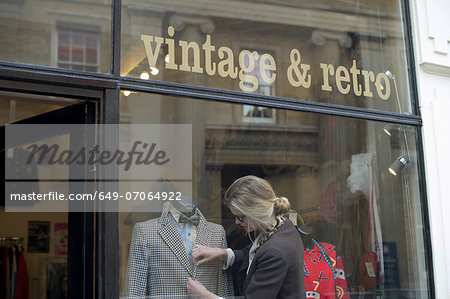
(170, 235)
(203, 235)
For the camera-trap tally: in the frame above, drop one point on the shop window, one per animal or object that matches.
(79, 50)
(334, 171)
(364, 67)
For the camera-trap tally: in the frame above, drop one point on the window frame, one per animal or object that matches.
(66, 82)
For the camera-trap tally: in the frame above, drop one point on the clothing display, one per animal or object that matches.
(324, 273)
(160, 261)
(14, 275)
(371, 264)
(275, 271)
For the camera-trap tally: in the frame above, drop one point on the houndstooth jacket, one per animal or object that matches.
(158, 264)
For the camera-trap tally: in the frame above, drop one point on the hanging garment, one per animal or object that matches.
(2, 274)
(324, 273)
(22, 277)
(8, 272)
(16, 255)
(371, 263)
(14, 274)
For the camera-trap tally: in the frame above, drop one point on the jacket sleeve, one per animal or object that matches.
(239, 256)
(225, 280)
(271, 269)
(137, 270)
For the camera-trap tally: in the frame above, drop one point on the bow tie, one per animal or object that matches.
(194, 220)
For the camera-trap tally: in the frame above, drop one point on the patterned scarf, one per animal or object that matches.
(280, 220)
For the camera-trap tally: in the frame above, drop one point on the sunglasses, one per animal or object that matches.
(239, 218)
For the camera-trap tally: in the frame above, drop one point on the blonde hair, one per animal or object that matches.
(254, 197)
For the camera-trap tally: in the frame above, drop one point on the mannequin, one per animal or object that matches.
(187, 205)
(159, 262)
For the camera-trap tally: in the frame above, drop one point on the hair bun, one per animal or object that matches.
(281, 206)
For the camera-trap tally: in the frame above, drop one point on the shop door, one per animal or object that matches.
(61, 260)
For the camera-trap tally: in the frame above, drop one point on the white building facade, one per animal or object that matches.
(431, 37)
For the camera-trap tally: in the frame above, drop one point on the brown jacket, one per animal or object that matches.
(276, 271)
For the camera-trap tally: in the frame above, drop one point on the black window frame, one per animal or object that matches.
(63, 82)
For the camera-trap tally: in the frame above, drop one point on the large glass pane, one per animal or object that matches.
(352, 184)
(342, 52)
(68, 34)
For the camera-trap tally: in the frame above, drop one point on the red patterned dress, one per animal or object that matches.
(324, 274)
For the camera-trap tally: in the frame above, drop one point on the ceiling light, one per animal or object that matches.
(126, 93)
(144, 76)
(389, 129)
(389, 74)
(154, 71)
(398, 165)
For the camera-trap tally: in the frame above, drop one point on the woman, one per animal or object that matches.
(270, 267)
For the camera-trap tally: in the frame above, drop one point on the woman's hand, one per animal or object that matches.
(203, 254)
(197, 290)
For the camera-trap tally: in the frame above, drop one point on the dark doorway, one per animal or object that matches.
(75, 277)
